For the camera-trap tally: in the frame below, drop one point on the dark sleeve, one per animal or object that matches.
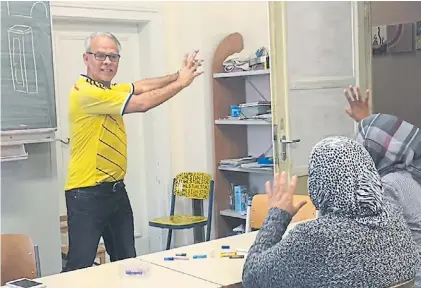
(268, 260)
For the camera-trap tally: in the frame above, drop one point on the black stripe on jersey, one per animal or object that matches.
(102, 156)
(113, 134)
(99, 85)
(109, 175)
(95, 83)
(112, 148)
(118, 125)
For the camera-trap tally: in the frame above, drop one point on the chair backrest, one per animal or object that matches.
(305, 213)
(18, 258)
(260, 208)
(408, 284)
(192, 185)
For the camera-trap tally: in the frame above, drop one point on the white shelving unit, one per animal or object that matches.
(242, 73)
(264, 170)
(233, 214)
(242, 122)
(237, 138)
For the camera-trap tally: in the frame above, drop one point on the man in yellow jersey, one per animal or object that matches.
(96, 198)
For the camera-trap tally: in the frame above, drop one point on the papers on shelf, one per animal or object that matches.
(237, 162)
(245, 162)
(267, 117)
(256, 165)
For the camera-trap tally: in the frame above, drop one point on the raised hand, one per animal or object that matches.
(189, 71)
(282, 196)
(358, 106)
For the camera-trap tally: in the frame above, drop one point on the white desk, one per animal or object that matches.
(223, 271)
(211, 272)
(111, 275)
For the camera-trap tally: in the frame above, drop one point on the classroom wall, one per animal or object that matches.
(202, 25)
(29, 202)
(396, 77)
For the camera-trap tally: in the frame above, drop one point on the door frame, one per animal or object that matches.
(361, 40)
(363, 49)
(362, 46)
(139, 14)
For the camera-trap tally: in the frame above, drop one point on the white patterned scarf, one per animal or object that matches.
(343, 181)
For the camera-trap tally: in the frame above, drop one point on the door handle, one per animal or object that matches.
(290, 141)
(284, 143)
(67, 141)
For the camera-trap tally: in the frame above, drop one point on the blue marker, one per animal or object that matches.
(199, 256)
(169, 259)
(225, 247)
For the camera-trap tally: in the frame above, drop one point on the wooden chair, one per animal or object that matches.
(260, 208)
(408, 284)
(19, 258)
(100, 253)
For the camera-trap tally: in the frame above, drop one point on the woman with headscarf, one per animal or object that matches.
(395, 146)
(359, 239)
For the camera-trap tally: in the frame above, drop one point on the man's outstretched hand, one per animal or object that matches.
(189, 71)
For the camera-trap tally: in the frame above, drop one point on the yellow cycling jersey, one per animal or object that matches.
(98, 144)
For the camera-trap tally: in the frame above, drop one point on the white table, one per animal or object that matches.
(223, 271)
(111, 275)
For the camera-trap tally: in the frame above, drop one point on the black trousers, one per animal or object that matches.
(103, 210)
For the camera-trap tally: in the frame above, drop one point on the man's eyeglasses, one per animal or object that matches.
(102, 56)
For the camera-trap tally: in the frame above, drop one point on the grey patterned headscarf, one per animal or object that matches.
(392, 143)
(344, 182)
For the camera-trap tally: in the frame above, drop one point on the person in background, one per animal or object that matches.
(96, 198)
(359, 239)
(395, 146)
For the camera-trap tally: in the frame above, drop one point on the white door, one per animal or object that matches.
(314, 56)
(69, 45)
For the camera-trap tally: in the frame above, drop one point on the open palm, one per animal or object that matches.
(282, 196)
(358, 106)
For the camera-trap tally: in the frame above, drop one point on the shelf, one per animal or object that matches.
(242, 122)
(247, 170)
(233, 136)
(13, 153)
(232, 213)
(242, 73)
(18, 137)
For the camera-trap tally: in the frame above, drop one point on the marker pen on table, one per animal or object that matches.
(236, 257)
(228, 254)
(176, 258)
